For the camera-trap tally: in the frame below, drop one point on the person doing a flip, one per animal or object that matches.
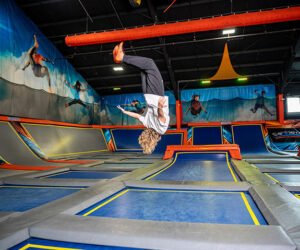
(156, 119)
(77, 87)
(35, 61)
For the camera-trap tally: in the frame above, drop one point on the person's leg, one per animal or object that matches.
(70, 103)
(266, 109)
(81, 103)
(152, 82)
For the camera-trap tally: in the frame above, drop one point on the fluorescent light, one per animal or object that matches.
(118, 68)
(242, 79)
(116, 89)
(228, 31)
(205, 81)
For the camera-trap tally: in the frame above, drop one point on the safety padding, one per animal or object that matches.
(127, 139)
(147, 234)
(233, 150)
(64, 140)
(207, 135)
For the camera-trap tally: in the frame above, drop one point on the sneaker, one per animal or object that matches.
(118, 53)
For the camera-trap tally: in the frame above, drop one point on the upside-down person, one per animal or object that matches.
(157, 119)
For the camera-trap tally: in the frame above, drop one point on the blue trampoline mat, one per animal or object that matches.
(207, 135)
(127, 165)
(284, 177)
(297, 194)
(250, 139)
(194, 167)
(37, 244)
(83, 175)
(180, 206)
(22, 198)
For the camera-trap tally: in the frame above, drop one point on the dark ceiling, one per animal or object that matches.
(266, 53)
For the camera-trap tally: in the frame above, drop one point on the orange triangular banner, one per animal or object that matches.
(225, 70)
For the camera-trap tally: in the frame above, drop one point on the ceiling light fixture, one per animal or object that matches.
(118, 68)
(228, 31)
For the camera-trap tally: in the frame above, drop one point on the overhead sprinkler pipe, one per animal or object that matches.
(169, 29)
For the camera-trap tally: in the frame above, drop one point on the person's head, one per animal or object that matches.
(196, 97)
(263, 92)
(77, 85)
(148, 140)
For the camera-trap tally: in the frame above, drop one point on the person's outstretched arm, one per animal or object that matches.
(83, 90)
(203, 108)
(132, 114)
(69, 84)
(187, 110)
(26, 65)
(47, 60)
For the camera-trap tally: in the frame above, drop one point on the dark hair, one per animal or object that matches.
(78, 84)
(194, 97)
(263, 92)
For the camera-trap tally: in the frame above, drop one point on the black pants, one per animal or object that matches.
(76, 101)
(152, 82)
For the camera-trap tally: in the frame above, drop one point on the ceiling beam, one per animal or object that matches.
(111, 15)
(167, 60)
(181, 58)
(188, 70)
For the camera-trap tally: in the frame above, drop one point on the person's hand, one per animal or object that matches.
(119, 107)
(206, 112)
(161, 102)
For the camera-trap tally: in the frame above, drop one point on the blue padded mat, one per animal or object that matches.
(207, 135)
(83, 175)
(127, 165)
(180, 206)
(284, 177)
(37, 244)
(21, 198)
(127, 140)
(250, 139)
(197, 166)
(297, 194)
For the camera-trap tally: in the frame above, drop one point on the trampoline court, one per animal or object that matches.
(284, 177)
(197, 166)
(20, 198)
(207, 135)
(73, 174)
(179, 205)
(37, 244)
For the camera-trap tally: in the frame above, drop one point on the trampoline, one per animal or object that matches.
(180, 206)
(197, 166)
(124, 164)
(64, 140)
(17, 198)
(71, 174)
(127, 140)
(251, 140)
(284, 177)
(207, 135)
(34, 243)
(297, 194)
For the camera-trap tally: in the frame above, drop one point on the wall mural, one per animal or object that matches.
(240, 103)
(35, 80)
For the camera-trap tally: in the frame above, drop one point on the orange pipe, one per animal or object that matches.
(214, 23)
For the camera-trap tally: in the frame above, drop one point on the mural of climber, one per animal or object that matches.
(33, 75)
(240, 103)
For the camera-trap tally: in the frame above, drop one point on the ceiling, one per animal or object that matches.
(265, 53)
